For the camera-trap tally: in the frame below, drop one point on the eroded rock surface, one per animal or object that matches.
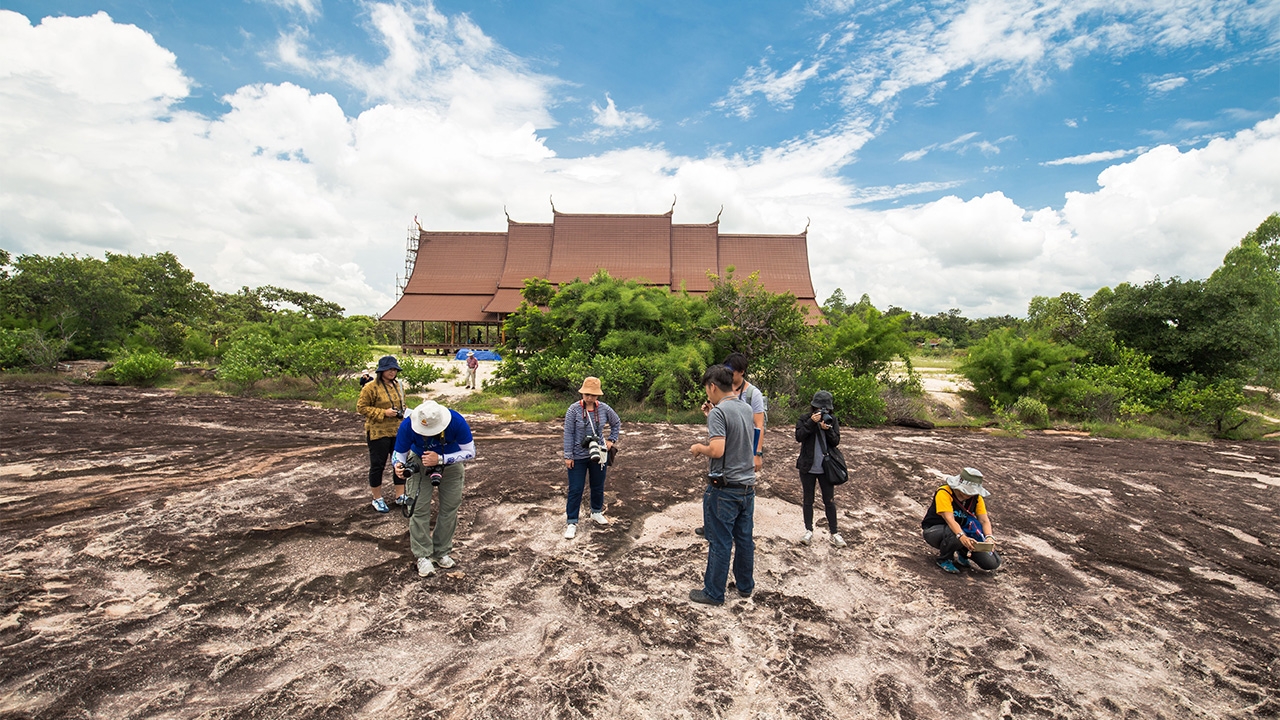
(208, 557)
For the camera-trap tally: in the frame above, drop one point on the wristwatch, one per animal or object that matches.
(760, 453)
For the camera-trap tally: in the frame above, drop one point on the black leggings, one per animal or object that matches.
(807, 481)
(379, 451)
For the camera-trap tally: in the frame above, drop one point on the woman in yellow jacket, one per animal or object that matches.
(382, 405)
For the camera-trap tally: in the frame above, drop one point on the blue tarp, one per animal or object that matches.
(480, 355)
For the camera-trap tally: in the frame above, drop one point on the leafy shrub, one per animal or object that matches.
(1004, 367)
(1128, 387)
(678, 383)
(1031, 411)
(417, 374)
(623, 377)
(140, 368)
(324, 358)
(1214, 404)
(857, 397)
(12, 345)
(248, 360)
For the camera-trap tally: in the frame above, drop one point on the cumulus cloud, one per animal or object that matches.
(286, 188)
(779, 90)
(611, 122)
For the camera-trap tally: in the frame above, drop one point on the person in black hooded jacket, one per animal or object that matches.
(815, 432)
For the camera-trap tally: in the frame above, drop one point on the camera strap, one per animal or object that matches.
(416, 479)
(392, 400)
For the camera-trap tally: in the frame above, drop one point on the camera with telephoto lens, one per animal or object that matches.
(434, 472)
(596, 450)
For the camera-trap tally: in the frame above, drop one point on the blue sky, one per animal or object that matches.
(966, 153)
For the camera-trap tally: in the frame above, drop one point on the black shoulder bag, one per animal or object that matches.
(832, 460)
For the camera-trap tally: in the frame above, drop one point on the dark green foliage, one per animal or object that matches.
(323, 358)
(417, 374)
(864, 340)
(1214, 404)
(1126, 388)
(1030, 411)
(140, 368)
(857, 396)
(1004, 367)
(748, 319)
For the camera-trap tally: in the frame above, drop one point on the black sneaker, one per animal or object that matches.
(700, 597)
(700, 532)
(744, 595)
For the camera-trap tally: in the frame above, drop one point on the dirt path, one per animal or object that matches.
(217, 558)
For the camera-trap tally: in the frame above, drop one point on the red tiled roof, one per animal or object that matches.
(693, 253)
(477, 277)
(628, 246)
(441, 308)
(528, 254)
(458, 263)
(783, 261)
(506, 300)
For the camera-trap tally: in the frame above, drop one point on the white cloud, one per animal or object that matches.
(285, 188)
(1164, 85)
(1093, 157)
(960, 146)
(778, 90)
(612, 122)
(310, 8)
(1026, 38)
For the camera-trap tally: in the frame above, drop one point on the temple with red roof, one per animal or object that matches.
(471, 281)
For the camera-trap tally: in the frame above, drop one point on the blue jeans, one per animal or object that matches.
(577, 478)
(728, 519)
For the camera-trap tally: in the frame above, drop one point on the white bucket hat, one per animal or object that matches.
(430, 418)
(969, 482)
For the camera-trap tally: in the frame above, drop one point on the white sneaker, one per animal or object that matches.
(837, 540)
(446, 562)
(808, 537)
(425, 567)
(570, 531)
(599, 518)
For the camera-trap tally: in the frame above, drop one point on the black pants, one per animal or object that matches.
(808, 481)
(379, 451)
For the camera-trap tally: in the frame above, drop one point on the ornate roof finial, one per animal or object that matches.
(504, 212)
(719, 214)
(415, 222)
(673, 203)
(551, 199)
(806, 227)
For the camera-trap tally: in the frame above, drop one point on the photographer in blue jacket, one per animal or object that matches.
(431, 446)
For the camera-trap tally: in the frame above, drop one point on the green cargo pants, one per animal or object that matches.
(424, 542)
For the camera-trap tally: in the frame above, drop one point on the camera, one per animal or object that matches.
(596, 450)
(826, 417)
(400, 413)
(434, 472)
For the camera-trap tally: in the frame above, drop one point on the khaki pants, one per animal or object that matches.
(423, 541)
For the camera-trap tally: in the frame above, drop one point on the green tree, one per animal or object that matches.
(1004, 367)
(865, 341)
(751, 320)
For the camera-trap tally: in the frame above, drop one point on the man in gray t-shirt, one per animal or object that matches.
(728, 503)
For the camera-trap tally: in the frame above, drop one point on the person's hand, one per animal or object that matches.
(398, 468)
(706, 407)
(389, 412)
(759, 463)
(568, 463)
(694, 449)
(608, 444)
(434, 458)
(991, 538)
(967, 542)
(816, 417)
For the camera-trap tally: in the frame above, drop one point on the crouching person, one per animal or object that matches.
(433, 442)
(957, 521)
